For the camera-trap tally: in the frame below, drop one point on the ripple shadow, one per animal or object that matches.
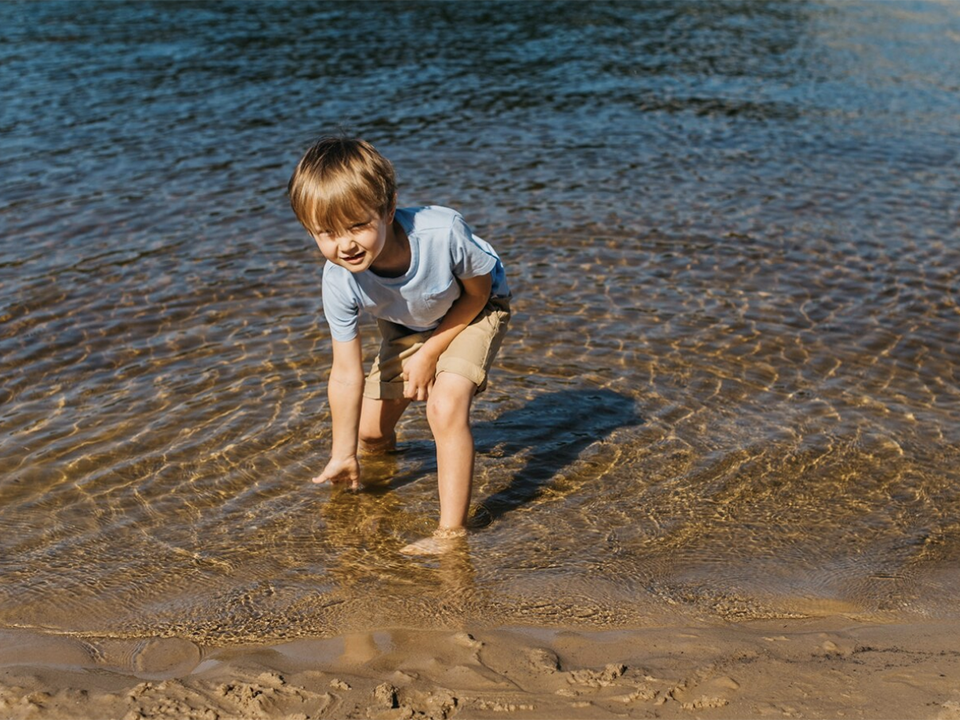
(552, 430)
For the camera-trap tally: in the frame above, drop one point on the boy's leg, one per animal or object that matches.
(448, 412)
(378, 420)
(383, 401)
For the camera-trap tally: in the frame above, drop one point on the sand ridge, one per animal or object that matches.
(822, 668)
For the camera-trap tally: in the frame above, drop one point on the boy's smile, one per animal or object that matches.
(355, 259)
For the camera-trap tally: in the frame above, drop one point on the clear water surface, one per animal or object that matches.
(731, 386)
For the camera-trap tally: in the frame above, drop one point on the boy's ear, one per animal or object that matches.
(393, 209)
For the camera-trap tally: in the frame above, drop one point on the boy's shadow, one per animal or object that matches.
(551, 430)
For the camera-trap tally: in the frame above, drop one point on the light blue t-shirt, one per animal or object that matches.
(442, 249)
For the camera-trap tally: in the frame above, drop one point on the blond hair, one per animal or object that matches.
(339, 182)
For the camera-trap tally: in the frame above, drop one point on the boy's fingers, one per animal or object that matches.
(413, 392)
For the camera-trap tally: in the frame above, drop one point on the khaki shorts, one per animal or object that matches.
(470, 354)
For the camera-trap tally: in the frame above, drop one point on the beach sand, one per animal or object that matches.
(817, 668)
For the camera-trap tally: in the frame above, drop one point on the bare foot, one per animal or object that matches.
(442, 541)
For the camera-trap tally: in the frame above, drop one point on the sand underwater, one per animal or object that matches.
(718, 468)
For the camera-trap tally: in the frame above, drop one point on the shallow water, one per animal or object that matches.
(730, 387)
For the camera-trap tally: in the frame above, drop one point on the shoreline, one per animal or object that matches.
(820, 667)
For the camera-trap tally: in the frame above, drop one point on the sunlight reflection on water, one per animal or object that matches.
(730, 388)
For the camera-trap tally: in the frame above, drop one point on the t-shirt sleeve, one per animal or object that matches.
(470, 258)
(339, 308)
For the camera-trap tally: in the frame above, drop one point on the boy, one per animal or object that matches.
(442, 306)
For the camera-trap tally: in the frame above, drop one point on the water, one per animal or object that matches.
(731, 386)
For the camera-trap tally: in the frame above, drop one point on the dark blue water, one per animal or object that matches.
(731, 384)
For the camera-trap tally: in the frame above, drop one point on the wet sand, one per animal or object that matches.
(820, 668)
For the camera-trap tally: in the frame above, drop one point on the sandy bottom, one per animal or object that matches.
(828, 668)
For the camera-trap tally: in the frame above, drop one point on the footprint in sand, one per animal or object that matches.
(590, 682)
(268, 695)
(165, 658)
(543, 660)
(597, 678)
(712, 693)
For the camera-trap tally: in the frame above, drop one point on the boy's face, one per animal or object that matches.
(358, 248)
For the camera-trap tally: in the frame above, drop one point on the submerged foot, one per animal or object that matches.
(442, 541)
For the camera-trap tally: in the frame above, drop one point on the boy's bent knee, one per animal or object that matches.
(443, 415)
(449, 406)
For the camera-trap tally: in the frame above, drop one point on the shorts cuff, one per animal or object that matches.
(382, 390)
(463, 368)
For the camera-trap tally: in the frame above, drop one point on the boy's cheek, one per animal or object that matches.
(327, 253)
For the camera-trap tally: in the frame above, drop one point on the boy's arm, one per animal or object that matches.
(345, 393)
(420, 371)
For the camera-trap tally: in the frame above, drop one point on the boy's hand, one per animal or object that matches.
(419, 372)
(341, 471)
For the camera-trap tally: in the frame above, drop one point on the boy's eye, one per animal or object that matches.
(359, 226)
